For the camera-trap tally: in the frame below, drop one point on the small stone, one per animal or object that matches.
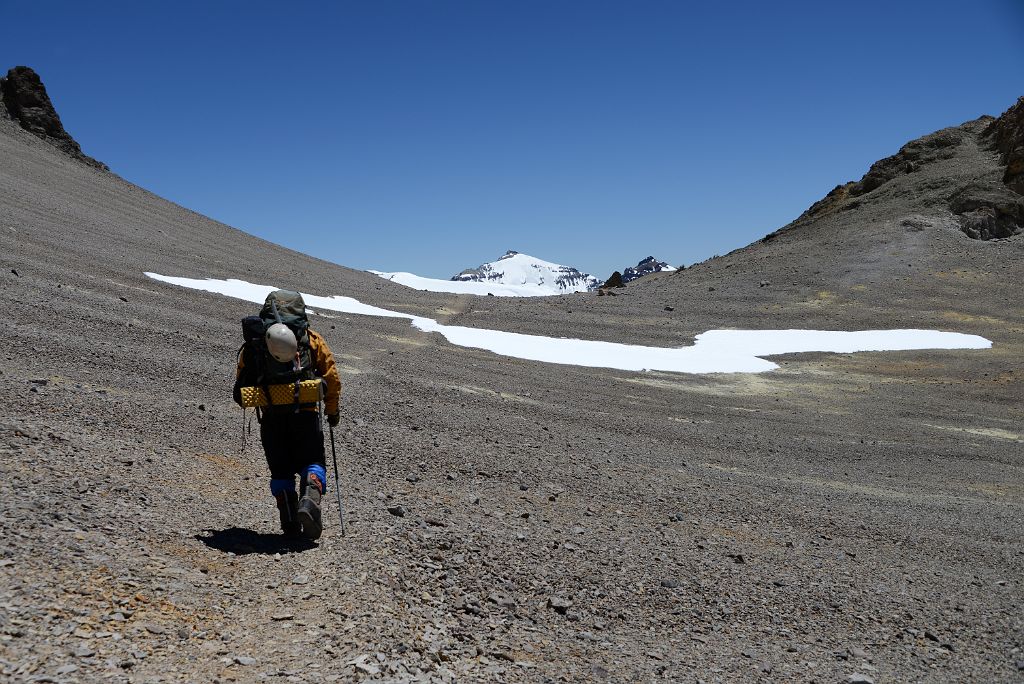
(155, 629)
(670, 308)
(245, 660)
(66, 669)
(523, 487)
(559, 604)
(84, 651)
(365, 667)
(677, 517)
(278, 617)
(671, 583)
(397, 511)
(412, 477)
(123, 299)
(764, 283)
(859, 678)
(300, 579)
(468, 605)
(858, 652)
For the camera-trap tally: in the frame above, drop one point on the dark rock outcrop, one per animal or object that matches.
(1007, 135)
(615, 280)
(988, 210)
(26, 102)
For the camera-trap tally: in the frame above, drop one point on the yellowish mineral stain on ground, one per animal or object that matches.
(995, 433)
(857, 488)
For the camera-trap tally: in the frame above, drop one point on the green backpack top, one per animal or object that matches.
(281, 306)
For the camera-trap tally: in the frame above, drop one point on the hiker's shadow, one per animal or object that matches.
(241, 541)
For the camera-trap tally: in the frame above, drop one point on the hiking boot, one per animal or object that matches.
(288, 508)
(309, 509)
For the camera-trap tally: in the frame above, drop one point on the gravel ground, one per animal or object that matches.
(846, 518)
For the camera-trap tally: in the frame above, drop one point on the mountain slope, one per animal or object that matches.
(559, 523)
(897, 243)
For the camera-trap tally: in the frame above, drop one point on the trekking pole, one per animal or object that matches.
(337, 487)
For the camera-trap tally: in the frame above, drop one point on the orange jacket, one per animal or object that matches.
(323, 359)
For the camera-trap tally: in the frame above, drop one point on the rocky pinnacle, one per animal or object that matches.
(26, 102)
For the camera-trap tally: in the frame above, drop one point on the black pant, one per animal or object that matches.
(292, 441)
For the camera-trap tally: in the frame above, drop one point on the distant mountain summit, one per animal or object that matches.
(514, 268)
(645, 267)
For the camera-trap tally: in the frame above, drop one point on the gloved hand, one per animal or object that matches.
(333, 419)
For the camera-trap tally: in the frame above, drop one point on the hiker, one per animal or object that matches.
(280, 352)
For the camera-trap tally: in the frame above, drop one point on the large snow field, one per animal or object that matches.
(715, 351)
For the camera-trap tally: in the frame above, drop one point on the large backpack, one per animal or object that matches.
(281, 306)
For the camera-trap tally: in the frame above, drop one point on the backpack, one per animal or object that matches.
(282, 306)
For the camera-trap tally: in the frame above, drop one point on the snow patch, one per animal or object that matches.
(715, 351)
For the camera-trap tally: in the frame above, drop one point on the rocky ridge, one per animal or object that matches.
(985, 208)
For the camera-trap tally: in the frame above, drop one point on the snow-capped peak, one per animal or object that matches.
(514, 268)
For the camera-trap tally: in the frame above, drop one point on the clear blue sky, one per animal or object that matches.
(430, 136)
